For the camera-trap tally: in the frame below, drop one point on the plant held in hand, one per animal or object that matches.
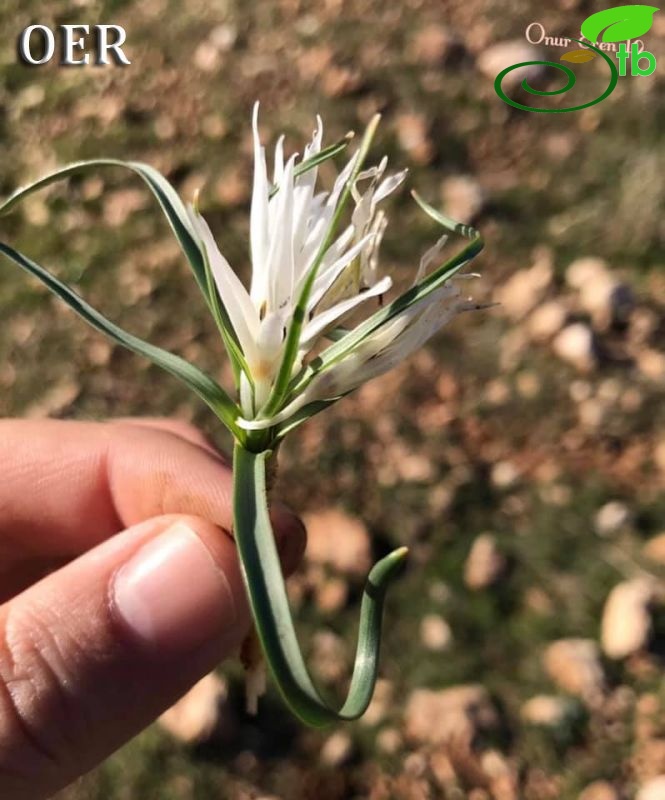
(290, 354)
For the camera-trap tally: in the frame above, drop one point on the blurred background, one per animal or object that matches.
(520, 455)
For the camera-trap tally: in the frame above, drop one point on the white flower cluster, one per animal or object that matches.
(299, 259)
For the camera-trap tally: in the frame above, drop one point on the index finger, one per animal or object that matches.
(67, 486)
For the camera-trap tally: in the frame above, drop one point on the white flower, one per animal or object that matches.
(302, 263)
(288, 231)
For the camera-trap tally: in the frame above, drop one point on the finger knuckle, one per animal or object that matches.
(38, 704)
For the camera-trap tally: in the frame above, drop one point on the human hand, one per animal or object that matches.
(119, 588)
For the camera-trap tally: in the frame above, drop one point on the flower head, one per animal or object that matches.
(309, 273)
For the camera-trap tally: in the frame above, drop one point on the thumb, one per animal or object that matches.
(95, 651)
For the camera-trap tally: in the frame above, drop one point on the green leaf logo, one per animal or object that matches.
(619, 23)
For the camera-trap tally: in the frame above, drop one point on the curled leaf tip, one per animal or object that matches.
(269, 601)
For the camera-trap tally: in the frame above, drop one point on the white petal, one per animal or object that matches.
(317, 204)
(317, 229)
(329, 275)
(320, 388)
(370, 256)
(282, 416)
(367, 201)
(278, 169)
(271, 336)
(332, 254)
(374, 172)
(383, 336)
(435, 314)
(314, 146)
(389, 185)
(337, 380)
(303, 195)
(362, 213)
(428, 257)
(324, 320)
(342, 179)
(391, 330)
(233, 294)
(259, 219)
(411, 340)
(336, 249)
(281, 264)
(320, 223)
(246, 399)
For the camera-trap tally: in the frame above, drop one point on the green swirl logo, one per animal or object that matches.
(615, 24)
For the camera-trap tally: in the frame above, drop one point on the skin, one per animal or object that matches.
(77, 501)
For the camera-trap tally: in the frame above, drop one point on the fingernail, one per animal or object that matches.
(171, 595)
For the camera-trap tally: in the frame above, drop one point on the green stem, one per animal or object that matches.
(270, 606)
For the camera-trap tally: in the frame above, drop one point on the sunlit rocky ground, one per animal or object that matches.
(521, 455)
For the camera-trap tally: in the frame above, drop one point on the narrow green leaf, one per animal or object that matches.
(194, 378)
(178, 219)
(166, 195)
(264, 582)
